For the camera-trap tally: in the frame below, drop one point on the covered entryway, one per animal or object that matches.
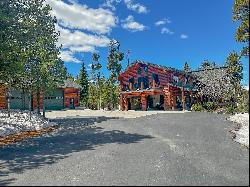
(155, 102)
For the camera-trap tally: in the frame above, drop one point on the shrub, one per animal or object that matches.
(197, 107)
(231, 109)
(211, 106)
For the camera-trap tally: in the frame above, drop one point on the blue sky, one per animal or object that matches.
(166, 32)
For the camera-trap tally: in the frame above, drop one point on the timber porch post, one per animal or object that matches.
(167, 99)
(183, 98)
(173, 100)
(121, 102)
(191, 98)
(144, 102)
(125, 100)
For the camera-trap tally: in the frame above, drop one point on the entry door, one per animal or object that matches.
(72, 103)
(129, 104)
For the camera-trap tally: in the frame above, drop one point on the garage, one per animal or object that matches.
(16, 101)
(55, 100)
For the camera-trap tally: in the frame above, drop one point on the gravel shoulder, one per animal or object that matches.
(161, 149)
(114, 114)
(241, 131)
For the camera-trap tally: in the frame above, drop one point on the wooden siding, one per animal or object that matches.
(2, 97)
(35, 103)
(71, 93)
(172, 83)
(165, 75)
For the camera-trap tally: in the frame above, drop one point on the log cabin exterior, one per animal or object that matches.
(146, 86)
(65, 96)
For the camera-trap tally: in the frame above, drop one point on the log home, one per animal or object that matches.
(145, 86)
(65, 96)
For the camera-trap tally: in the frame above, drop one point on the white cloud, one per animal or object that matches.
(68, 56)
(77, 16)
(184, 36)
(162, 22)
(79, 41)
(73, 20)
(165, 30)
(136, 7)
(130, 24)
(111, 4)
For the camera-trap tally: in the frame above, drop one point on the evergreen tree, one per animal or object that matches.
(28, 47)
(83, 81)
(11, 45)
(114, 59)
(110, 94)
(205, 65)
(115, 67)
(92, 100)
(49, 70)
(241, 14)
(235, 73)
(187, 68)
(96, 66)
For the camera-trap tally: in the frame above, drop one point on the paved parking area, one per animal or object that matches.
(161, 149)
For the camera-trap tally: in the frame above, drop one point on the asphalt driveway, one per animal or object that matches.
(162, 149)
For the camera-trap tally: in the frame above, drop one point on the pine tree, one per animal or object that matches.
(29, 40)
(114, 59)
(235, 73)
(241, 14)
(92, 100)
(115, 67)
(205, 65)
(187, 68)
(96, 66)
(83, 81)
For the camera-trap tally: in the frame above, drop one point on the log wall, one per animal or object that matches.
(71, 93)
(165, 75)
(2, 97)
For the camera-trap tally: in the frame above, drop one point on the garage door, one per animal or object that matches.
(16, 101)
(54, 101)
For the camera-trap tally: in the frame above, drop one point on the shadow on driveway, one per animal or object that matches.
(73, 135)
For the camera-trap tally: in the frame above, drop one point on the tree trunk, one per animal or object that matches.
(8, 100)
(38, 102)
(30, 104)
(43, 105)
(23, 99)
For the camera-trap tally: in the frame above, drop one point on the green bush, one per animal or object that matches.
(211, 106)
(231, 109)
(197, 107)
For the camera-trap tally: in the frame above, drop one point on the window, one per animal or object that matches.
(140, 79)
(139, 71)
(146, 82)
(156, 78)
(132, 80)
